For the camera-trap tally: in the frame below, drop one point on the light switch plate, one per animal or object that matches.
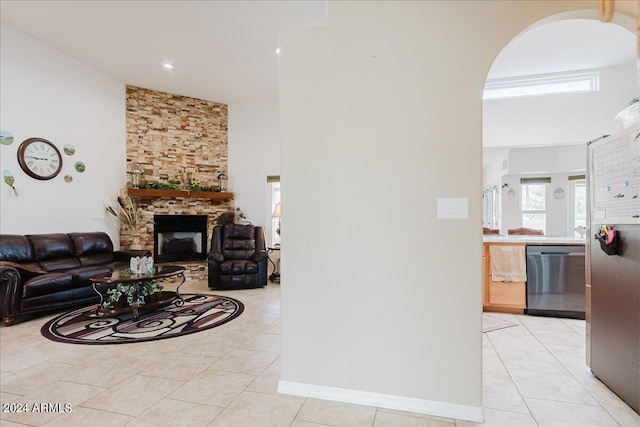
(453, 208)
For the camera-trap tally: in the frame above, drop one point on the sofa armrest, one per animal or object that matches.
(11, 283)
(126, 255)
(22, 269)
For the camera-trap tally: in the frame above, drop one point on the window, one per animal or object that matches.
(548, 84)
(534, 202)
(578, 204)
(273, 183)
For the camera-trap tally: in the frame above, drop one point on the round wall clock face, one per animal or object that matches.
(39, 158)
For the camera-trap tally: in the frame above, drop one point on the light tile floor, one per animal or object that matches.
(534, 375)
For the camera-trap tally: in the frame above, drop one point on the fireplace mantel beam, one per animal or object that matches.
(152, 194)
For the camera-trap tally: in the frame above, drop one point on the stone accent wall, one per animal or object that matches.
(174, 136)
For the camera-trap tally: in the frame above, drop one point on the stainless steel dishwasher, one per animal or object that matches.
(556, 281)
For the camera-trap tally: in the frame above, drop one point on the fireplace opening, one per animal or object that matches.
(179, 237)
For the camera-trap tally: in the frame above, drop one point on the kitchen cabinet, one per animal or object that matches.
(507, 297)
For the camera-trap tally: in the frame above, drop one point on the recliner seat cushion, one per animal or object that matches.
(239, 267)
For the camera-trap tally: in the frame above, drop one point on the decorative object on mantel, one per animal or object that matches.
(136, 175)
(9, 180)
(223, 181)
(126, 212)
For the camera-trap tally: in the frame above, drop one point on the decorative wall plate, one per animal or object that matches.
(5, 137)
(69, 149)
(9, 180)
(80, 167)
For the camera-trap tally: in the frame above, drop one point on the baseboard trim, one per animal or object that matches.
(387, 401)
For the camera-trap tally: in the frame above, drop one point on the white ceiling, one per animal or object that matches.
(224, 51)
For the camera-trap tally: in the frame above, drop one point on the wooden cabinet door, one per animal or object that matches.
(501, 296)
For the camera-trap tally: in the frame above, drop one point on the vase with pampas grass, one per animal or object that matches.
(125, 211)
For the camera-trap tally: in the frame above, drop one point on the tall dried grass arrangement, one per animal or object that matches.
(126, 212)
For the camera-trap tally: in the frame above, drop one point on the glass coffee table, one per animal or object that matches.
(123, 276)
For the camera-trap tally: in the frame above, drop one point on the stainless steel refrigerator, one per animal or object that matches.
(613, 263)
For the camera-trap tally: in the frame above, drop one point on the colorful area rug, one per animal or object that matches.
(199, 312)
(491, 323)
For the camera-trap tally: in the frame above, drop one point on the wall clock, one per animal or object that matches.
(39, 158)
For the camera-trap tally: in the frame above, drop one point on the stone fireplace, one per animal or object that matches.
(170, 136)
(179, 237)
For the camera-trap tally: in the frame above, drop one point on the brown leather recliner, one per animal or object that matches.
(238, 257)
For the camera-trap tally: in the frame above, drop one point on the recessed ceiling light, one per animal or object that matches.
(277, 51)
(167, 65)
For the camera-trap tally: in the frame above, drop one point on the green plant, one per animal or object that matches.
(232, 217)
(225, 218)
(172, 184)
(128, 291)
(195, 186)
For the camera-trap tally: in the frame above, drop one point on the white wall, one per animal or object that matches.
(494, 161)
(254, 154)
(380, 118)
(559, 159)
(563, 118)
(50, 95)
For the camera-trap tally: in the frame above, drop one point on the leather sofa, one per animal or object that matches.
(238, 257)
(42, 272)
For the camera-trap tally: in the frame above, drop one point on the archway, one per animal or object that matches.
(555, 49)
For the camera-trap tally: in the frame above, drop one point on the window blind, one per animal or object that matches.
(542, 180)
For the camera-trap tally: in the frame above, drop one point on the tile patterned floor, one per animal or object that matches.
(534, 375)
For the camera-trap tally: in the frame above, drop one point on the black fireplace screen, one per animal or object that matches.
(179, 237)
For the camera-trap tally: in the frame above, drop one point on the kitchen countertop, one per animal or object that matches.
(532, 240)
